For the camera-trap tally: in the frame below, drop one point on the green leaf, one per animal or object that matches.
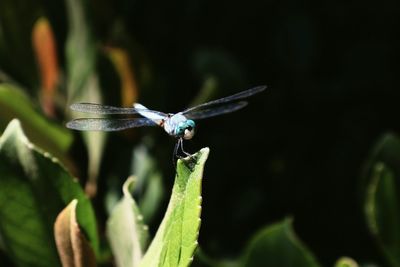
(380, 187)
(82, 79)
(346, 262)
(34, 188)
(126, 231)
(278, 246)
(47, 135)
(220, 66)
(149, 182)
(202, 259)
(80, 48)
(206, 91)
(176, 238)
(383, 211)
(387, 150)
(274, 246)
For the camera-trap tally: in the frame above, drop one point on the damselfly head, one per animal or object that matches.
(185, 129)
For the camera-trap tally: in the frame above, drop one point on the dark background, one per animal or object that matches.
(298, 149)
(333, 90)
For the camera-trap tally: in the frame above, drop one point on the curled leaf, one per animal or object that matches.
(383, 211)
(125, 229)
(72, 245)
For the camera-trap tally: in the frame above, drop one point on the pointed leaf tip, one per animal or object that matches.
(14, 126)
(198, 158)
(346, 262)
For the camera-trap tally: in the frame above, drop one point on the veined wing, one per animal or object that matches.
(215, 111)
(106, 110)
(227, 99)
(107, 124)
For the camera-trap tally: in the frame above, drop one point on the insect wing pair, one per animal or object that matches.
(180, 125)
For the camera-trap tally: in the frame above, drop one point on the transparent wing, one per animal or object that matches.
(215, 111)
(227, 99)
(106, 124)
(105, 110)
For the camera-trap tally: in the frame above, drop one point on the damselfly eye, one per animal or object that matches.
(180, 129)
(190, 124)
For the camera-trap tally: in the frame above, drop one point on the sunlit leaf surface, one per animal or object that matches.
(176, 238)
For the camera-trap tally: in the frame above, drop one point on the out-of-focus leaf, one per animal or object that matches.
(95, 143)
(346, 262)
(387, 150)
(81, 49)
(149, 182)
(383, 211)
(51, 137)
(34, 188)
(380, 188)
(221, 66)
(72, 245)
(125, 229)
(274, 245)
(206, 92)
(277, 245)
(176, 238)
(83, 83)
(203, 260)
(129, 90)
(44, 45)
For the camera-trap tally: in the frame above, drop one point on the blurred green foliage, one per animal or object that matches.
(333, 92)
(277, 245)
(34, 188)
